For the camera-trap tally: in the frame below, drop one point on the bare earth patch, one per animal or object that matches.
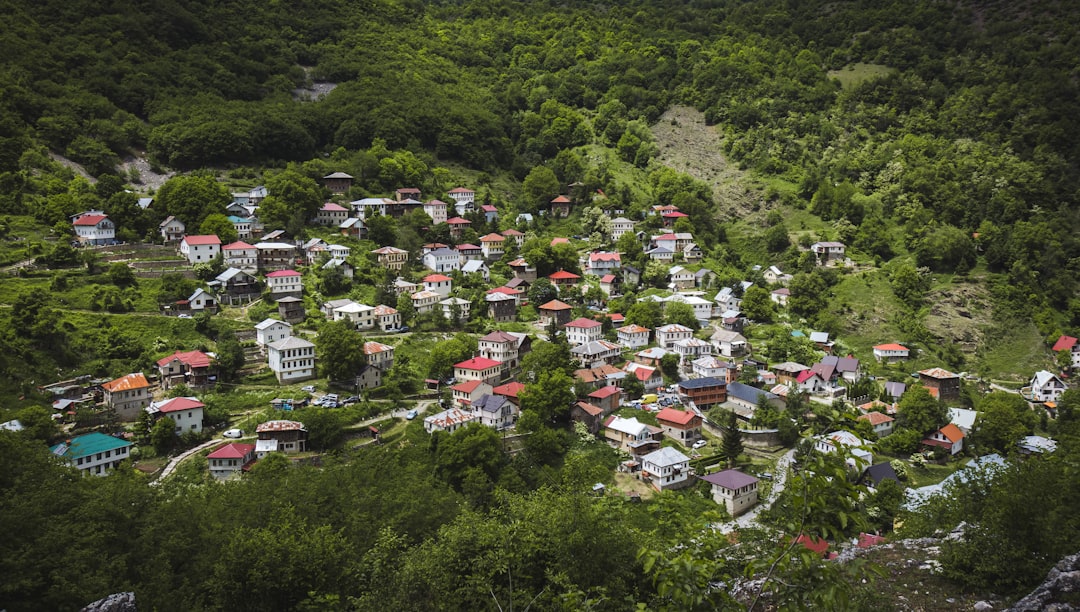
(148, 179)
(688, 145)
(959, 314)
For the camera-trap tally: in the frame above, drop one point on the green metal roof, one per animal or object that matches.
(89, 444)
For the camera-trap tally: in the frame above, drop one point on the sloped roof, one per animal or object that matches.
(280, 425)
(468, 386)
(90, 220)
(437, 278)
(88, 444)
(952, 433)
(891, 347)
(605, 392)
(556, 305)
(127, 383)
(202, 240)
(633, 328)
(292, 342)
(267, 323)
(590, 409)
(682, 417)
(876, 418)
(1064, 343)
(665, 456)
(193, 359)
(233, 450)
(282, 273)
(477, 363)
(563, 275)
(938, 373)
(510, 389)
(179, 404)
(583, 323)
(730, 479)
(239, 245)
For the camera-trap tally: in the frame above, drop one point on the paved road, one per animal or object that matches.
(750, 517)
(175, 461)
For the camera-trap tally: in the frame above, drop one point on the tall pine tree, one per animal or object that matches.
(732, 442)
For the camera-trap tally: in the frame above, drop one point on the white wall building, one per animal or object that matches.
(292, 359)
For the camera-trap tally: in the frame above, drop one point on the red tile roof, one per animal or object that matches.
(1064, 343)
(876, 418)
(192, 359)
(282, 273)
(458, 221)
(818, 546)
(952, 433)
(605, 256)
(891, 347)
(236, 246)
(561, 200)
(90, 220)
(605, 392)
(467, 387)
(583, 323)
(675, 215)
(633, 328)
(563, 275)
(510, 389)
(555, 241)
(436, 278)
(682, 417)
(506, 290)
(493, 237)
(460, 190)
(478, 363)
(233, 450)
(211, 239)
(590, 409)
(179, 404)
(331, 207)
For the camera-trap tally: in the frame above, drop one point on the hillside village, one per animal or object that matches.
(677, 379)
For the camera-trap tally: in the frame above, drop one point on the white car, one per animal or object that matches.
(702, 443)
(308, 389)
(233, 433)
(183, 316)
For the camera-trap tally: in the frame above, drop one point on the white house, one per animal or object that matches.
(633, 336)
(387, 318)
(361, 316)
(1069, 343)
(379, 355)
(703, 309)
(200, 249)
(626, 434)
(729, 343)
(367, 207)
(668, 335)
(582, 330)
(270, 331)
(436, 209)
(463, 308)
(442, 260)
(94, 227)
(202, 300)
(681, 278)
(438, 283)
(495, 411)
(736, 491)
(172, 228)
(463, 199)
(595, 353)
(292, 359)
(826, 252)
(284, 282)
(620, 226)
(93, 453)
(949, 437)
(331, 214)
(710, 366)
(186, 413)
(240, 255)
(774, 276)
(230, 459)
(500, 346)
(963, 418)
(780, 296)
(890, 353)
(424, 301)
(478, 368)
(474, 266)
(603, 262)
(881, 422)
(1046, 387)
(667, 468)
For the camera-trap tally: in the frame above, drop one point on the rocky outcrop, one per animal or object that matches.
(117, 602)
(1059, 593)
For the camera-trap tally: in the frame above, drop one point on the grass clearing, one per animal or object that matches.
(853, 75)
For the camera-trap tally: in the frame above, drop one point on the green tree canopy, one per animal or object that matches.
(340, 350)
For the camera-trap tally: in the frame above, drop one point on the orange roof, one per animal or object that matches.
(890, 347)
(371, 348)
(458, 221)
(555, 241)
(556, 305)
(952, 433)
(467, 387)
(876, 418)
(436, 278)
(126, 383)
(633, 328)
(590, 409)
(563, 275)
(682, 417)
(493, 237)
(561, 200)
(192, 359)
(510, 389)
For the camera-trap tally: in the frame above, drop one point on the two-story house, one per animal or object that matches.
(826, 252)
(442, 260)
(1046, 387)
(190, 368)
(331, 214)
(241, 255)
(666, 469)
(291, 359)
(603, 262)
(668, 335)
(736, 491)
(186, 413)
(200, 249)
(93, 453)
(582, 330)
(94, 227)
(629, 435)
(269, 331)
(230, 459)
(127, 395)
(439, 283)
(285, 283)
(479, 368)
(172, 229)
(392, 258)
(379, 355)
(633, 336)
(683, 426)
(493, 246)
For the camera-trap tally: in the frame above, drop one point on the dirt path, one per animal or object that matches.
(688, 145)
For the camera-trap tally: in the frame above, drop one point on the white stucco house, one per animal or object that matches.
(291, 359)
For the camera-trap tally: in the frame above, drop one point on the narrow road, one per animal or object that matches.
(175, 461)
(780, 474)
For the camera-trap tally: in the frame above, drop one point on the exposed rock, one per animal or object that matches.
(117, 602)
(1059, 593)
(982, 606)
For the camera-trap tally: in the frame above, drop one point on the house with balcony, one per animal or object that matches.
(269, 331)
(827, 252)
(281, 436)
(666, 469)
(379, 355)
(463, 198)
(601, 263)
(186, 413)
(492, 246)
(386, 318)
(172, 229)
(500, 346)
(425, 301)
(683, 426)
(361, 316)
(620, 226)
(338, 182)
(190, 368)
(495, 411)
(729, 344)
(439, 283)
(465, 393)
(704, 392)
(891, 353)
(94, 228)
(556, 311)
(241, 255)
(501, 307)
(596, 353)
(1046, 387)
(276, 255)
(950, 438)
(630, 435)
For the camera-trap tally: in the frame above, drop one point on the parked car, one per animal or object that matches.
(352, 399)
(183, 316)
(333, 397)
(410, 415)
(233, 433)
(702, 443)
(308, 389)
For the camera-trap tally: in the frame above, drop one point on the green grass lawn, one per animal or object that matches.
(853, 74)
(932, 473)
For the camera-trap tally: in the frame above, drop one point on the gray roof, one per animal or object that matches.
(895, 389)
(698, 383)
(490, 403)
(292, 342)
(822, 337)
(444, 252)
(730, 479)
(665, 456)
(265, 323)
(747, 393)
(473, 265)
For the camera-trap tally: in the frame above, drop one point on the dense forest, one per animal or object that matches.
(933, 137)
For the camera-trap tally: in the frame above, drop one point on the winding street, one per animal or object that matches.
(780, 474)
